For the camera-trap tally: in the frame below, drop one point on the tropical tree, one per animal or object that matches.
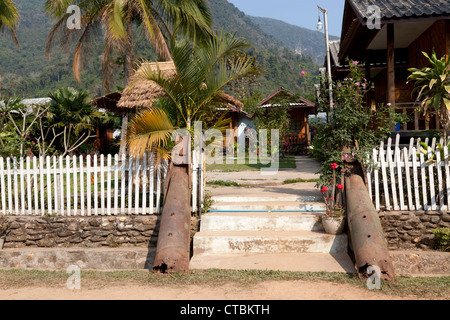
(433, 87)
(9, 16)
(159, 18)
(72, 118)
(190, 95)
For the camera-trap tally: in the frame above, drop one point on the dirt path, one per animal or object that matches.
(271, 290)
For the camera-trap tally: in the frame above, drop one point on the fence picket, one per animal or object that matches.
(82, 203)
(152, 183)
(63, 185)
(424, 181)
(2, 186)
(377, 191)
(22, 188)
(61, 179)
(8, 176)
(55, 183)
(75, 185)
(89, 184)
(130, 184)
(95, 184)
(400, 179)
(68, 189)
(116, 184)
(102, 184)
(16, 187)
(447, 175)
(439, 175)
(108, 186)
(144, 184)
(122, 186)
(408, 178)
(431, 179)
(29, 187)
(136, 185)
(416, 178)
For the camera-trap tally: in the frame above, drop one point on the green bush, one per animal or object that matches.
(442, 239)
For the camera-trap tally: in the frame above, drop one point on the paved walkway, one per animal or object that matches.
(306, 168)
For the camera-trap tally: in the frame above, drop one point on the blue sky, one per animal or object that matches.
(303, 13)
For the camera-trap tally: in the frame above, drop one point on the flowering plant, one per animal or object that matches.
(353, 127)
(333, 199)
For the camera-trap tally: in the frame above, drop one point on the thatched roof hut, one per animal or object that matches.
(143, 93)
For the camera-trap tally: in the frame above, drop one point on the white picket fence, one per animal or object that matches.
(407, 179)
(88, 186)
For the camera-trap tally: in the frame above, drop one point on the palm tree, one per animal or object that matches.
(9, 15)
(73, 118)
(190, 95)
(158, 19)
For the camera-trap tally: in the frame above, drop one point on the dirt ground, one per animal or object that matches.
(270, 290)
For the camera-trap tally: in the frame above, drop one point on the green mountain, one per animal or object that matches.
(300, 39)
(26, 72)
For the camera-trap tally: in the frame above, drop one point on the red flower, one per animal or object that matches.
(334, 166)
(340, 186)
(324, 189)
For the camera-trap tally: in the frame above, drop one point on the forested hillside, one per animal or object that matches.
(300, 39)
(26, 72)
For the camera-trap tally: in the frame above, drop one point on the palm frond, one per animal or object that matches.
(149, 129)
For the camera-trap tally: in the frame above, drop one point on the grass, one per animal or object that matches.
(291, 181)
(284, 163)
(420, 287)
(222, 183)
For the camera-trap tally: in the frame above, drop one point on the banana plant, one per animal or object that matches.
(433, 86)
(439, 148)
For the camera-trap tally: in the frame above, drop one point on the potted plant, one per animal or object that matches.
(333, 220)
(4, 229)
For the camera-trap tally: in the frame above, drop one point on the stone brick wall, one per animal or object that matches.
(412, 229)
(92, 232)
(87, 232)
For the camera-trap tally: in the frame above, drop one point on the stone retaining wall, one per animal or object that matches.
(412, 229)
(88, 232)
(47, 232)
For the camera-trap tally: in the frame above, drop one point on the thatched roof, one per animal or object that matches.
(145, 92)
(109, 102)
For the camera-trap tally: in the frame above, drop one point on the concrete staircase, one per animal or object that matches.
(268, 231)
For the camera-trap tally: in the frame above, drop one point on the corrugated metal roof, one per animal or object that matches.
(401, 9)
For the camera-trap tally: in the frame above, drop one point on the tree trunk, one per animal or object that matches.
(173, 247)
(128, 69)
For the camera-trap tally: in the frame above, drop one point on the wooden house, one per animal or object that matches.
(299, 111)
(390, 47)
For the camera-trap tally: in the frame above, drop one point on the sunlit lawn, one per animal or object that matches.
(243, 164)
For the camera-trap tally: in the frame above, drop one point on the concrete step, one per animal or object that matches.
(294, 206)
(266, 197)
(304, 262)
(228, 242)
(260, 221)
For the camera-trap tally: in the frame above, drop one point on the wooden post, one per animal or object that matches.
(390, 64)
